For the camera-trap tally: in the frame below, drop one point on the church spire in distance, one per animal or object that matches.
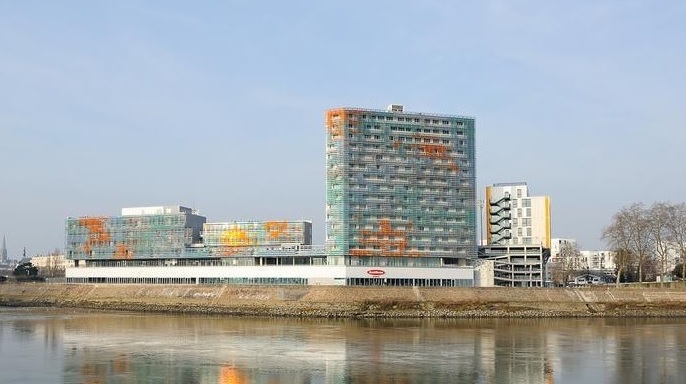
(3, 250)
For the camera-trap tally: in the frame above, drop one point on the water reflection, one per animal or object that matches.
(97, 347)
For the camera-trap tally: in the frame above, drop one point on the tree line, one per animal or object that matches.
(645, 238)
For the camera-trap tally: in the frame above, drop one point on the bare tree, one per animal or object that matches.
(570, 251)
(624, 259)
(660, 235)
(566, 262)
(53, 265)
(676, 225)
(640, 241)
(618, 237)
(558, 272)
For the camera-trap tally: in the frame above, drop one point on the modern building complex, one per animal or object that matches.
(167, 244)
(400, 188)
(517, 235)
(400, 210)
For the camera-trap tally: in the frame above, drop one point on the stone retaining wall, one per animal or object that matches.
(329, 301)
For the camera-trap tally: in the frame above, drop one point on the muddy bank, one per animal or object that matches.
(355, 302)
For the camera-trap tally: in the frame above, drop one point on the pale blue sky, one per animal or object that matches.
(220, 105)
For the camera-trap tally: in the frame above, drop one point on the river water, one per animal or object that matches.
(40, 345)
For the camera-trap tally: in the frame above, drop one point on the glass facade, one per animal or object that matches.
(135, 236)
(169, 238)
(400, 185)
(236, 238)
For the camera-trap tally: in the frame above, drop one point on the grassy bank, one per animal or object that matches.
(351, 302)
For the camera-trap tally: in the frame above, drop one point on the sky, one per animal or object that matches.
(219, 105)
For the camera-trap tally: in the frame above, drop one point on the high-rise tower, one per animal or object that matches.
(400, 188)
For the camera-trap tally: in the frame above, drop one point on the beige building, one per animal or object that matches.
(514, 217)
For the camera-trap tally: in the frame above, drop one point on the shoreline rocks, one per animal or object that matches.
(354, 302)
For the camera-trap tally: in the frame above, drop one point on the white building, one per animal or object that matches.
(49, 265)
(556, 247)
(598, 260)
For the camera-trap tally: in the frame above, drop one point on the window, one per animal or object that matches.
(526, 203)
(519, 193)
(528, 212)
(528, 231)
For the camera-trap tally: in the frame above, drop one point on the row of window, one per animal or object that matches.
(399, 163)
(456, 216)
(525, 240)
(419, 248)
(409, 119)
(410, 282)
(437, 190)
(402, 139)
(421, 130)
(526, 203)
(460, 198)
(212, 262)
(396, 159)
(520, 232)
(131, 280)
(526, 222)
(269, 281)
(172, 220)
(189, 280)
(254, 280)
(406, 201)
(371, 171)
(457, 227)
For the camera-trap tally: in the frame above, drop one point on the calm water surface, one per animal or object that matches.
(79, 346)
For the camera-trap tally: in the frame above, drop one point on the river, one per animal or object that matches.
(44, 345)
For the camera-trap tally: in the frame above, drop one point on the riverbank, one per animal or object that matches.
(354, 302)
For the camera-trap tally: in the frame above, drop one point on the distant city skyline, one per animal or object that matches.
(220, 106)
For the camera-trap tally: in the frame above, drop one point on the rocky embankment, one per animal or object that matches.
(355, 302)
